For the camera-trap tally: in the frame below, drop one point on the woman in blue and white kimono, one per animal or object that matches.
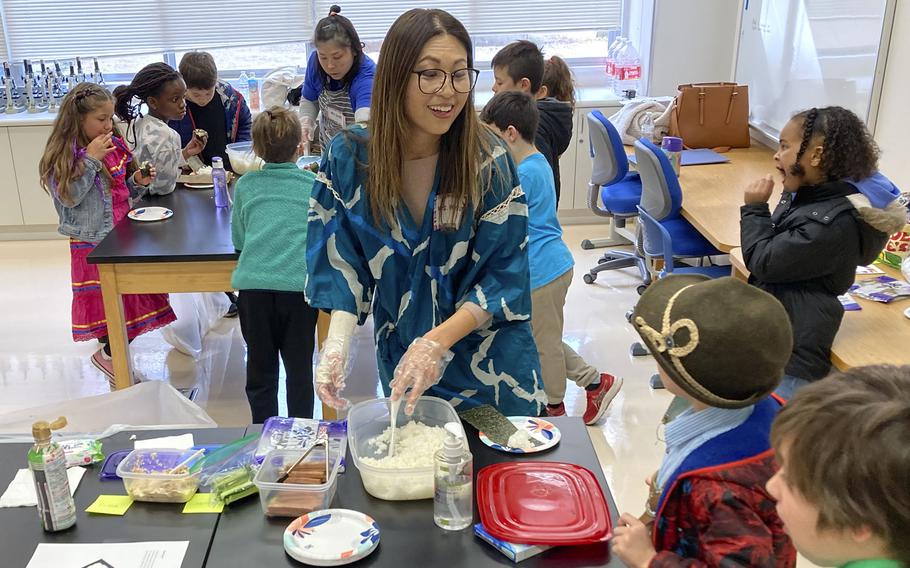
(421, 217)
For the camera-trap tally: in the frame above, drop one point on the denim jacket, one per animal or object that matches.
(90, 214)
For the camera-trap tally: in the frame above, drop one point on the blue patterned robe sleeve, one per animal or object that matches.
(338, 271)
(500, 260)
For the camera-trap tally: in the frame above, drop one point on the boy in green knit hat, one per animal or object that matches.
(843, 488)
(269, 229)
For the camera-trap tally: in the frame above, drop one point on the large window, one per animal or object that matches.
(252, 36)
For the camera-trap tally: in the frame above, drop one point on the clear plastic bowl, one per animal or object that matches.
(292, 499)
(145, 477)
(369, 419)
(242, 157)
(244, 160)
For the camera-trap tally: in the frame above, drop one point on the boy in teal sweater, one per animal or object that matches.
(269, 228)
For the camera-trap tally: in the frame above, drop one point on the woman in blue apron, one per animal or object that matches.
(421, 220)
(339, 80)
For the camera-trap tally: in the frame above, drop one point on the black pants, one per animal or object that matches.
(278, 324)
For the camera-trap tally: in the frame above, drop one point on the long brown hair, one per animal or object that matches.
(462, 149)
(557, 78)
(62, 161)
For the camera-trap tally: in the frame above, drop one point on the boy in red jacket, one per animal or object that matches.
(721, 346)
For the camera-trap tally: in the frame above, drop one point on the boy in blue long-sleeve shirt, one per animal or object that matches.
(514, 116)
(269, 228)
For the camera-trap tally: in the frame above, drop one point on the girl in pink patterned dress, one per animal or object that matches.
(91, 176)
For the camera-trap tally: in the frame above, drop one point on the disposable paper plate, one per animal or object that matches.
(199, 185)
(545, 433)
(150, 214)
(331, 537)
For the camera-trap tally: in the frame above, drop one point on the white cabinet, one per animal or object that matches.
(567, 175)
(27, 148)
(10, 209)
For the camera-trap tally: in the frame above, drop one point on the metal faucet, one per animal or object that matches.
(72, 80)
(79, 74)
(11, 91)
(97, 77)
(28, 80)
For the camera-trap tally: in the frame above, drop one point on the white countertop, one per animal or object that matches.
(27, 119)
(590, 97)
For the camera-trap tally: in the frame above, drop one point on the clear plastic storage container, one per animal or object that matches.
(369, 419)
(292, 499)
(244, 159)
(146, 478)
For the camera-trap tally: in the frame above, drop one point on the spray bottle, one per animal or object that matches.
(453, 482)
(48, 464)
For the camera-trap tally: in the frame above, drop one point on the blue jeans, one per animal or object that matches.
(789, 385)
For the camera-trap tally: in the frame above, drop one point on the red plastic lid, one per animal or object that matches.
(542, 503)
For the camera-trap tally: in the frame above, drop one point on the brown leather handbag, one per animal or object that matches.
(711, 115)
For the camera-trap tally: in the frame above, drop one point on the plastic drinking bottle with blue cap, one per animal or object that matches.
(672, 147)
(219, 181)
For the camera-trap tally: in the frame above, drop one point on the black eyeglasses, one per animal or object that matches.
(431, 81)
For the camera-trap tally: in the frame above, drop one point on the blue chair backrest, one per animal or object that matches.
(661, 195)
(655, 239)
(609, 163)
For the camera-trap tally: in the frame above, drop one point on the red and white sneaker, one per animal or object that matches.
(104, 364)
(559, 410)
(601, 397)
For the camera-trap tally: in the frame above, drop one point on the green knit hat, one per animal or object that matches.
(722, 341)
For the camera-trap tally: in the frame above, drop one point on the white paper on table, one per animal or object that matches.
(182, 442)
(163, 554)
(21, 491)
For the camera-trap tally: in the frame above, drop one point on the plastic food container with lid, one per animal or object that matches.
(369, 419)
(295, 499)
(244, 159)
(146, 478)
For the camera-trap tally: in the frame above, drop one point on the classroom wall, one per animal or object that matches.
(691, 42)
(893, 113)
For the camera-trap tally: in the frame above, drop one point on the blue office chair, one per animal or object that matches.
(661, 198)
(617, 188)
(656, 242)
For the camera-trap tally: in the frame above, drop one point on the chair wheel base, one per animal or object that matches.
(639, 350)
(589, 278)
(656, 383)
(587, 244)
(641, 289)
(629, 315)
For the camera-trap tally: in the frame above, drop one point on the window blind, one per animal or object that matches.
(66, 28)
(373, 18)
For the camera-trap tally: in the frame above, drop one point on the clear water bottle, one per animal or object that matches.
(253, 83)
(610, 68)
(647, 126)
(243, 85)
(219, 180)
(628, 72)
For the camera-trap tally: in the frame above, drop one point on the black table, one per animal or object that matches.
(190, 252)
(20, 528)
(409, 538)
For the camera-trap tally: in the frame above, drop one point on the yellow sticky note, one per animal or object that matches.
(201, 503)
(110, 505)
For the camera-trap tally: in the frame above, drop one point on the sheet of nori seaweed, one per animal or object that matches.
(491, 422)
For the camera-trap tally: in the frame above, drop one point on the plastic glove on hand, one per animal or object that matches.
(421, 367)
(307, 128)
(331, 371)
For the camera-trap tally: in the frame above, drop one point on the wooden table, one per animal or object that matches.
(713, 194)
(876, 334)
(190, 252)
